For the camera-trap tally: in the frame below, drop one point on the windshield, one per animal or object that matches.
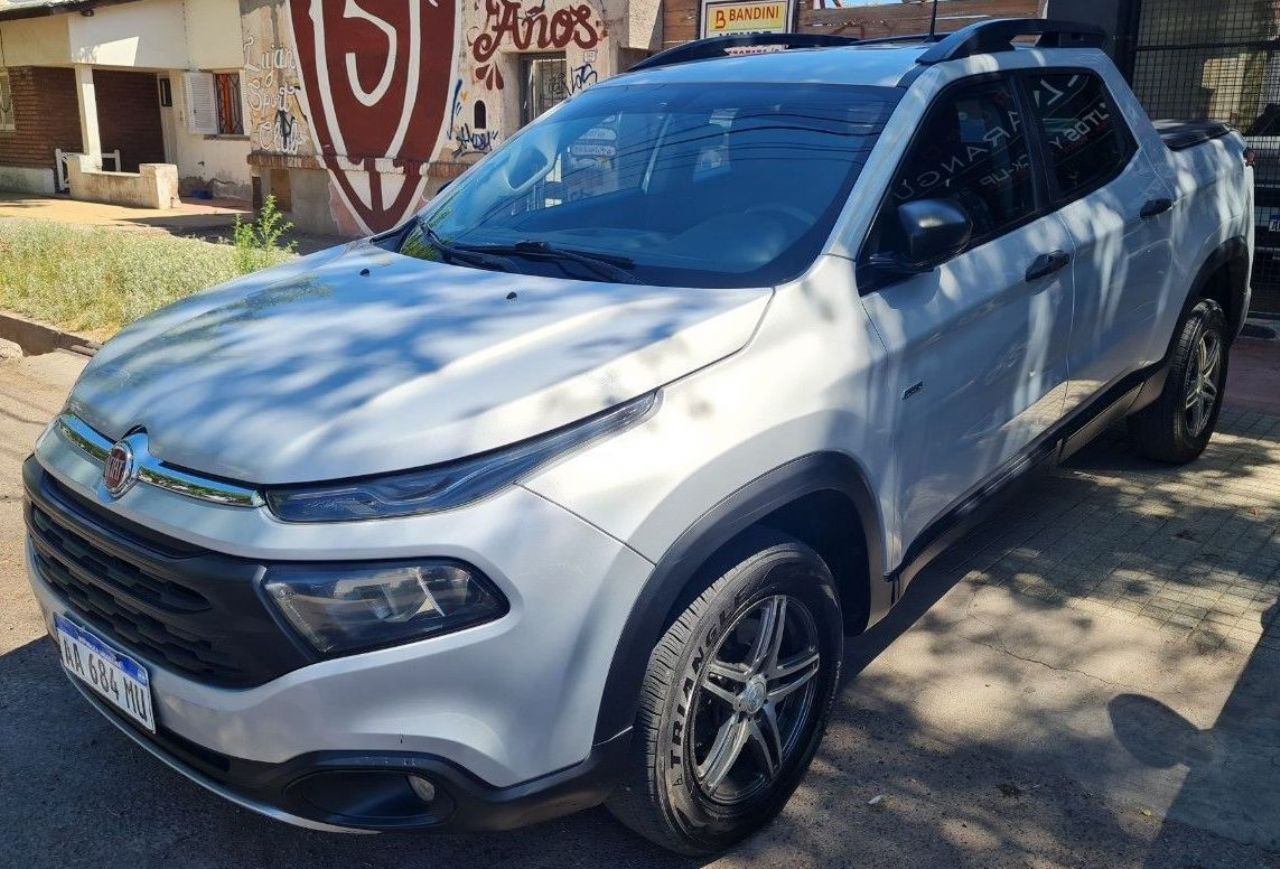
(730, 185)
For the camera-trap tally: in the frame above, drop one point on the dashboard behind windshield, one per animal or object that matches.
(725, 185)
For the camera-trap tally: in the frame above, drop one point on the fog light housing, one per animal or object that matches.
(423, 789)
(341, 609)
(369, 799)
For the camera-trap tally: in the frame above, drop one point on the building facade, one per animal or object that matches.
(350, 112)
(108, 82)
(357, 113)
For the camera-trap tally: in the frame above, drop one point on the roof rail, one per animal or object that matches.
(721, 46)
(989, 37)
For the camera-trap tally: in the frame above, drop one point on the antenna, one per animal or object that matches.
(933, 21)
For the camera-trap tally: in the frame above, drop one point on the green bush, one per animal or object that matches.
(99, 279)
(258, 243)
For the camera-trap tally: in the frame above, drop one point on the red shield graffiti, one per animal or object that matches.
(375, 74)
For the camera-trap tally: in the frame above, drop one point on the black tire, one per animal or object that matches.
(1168, 430)
(664, 794)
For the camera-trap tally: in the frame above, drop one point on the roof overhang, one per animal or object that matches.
(11, 10)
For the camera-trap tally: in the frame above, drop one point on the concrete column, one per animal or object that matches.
(91, 141)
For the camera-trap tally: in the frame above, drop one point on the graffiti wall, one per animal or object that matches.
(390, 98)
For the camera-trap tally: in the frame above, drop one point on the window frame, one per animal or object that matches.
(871, 279)
(8, 84)
(1058, 199)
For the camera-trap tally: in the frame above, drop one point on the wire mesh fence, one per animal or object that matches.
(1220, 60)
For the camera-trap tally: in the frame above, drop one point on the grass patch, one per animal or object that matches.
(97, 280)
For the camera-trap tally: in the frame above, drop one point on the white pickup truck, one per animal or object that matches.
(568, 490)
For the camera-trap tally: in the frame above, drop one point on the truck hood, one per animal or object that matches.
(356, 361)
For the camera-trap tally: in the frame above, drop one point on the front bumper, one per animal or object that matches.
(501, 715)
(354, 792)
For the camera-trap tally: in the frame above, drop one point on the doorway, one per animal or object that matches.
(543, 84)
(129, 117)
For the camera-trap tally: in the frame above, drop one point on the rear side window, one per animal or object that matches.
(1088, 143)
(971, 149)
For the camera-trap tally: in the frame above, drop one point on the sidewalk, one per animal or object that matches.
(193, 215)
(207, 219)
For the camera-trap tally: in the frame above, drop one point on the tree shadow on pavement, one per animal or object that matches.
(1017, 707)
(1232, 766)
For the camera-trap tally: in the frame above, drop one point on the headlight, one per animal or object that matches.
(453, 484)
(351, 607)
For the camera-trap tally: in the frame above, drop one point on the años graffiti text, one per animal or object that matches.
(530, 28)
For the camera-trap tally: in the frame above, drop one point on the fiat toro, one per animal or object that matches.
(566, 491)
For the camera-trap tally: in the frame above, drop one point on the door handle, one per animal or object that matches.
(1155, 206)
(1047, 264)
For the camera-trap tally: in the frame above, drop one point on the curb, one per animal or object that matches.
(36, 338)
(1261, 329)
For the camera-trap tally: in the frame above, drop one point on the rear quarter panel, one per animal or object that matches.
(1212, 189)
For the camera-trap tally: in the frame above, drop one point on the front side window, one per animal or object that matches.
(1088, 144)
(738, 184)
(8, 118)
(972, 150)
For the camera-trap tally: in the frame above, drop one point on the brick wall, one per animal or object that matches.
(680, 18)
(129, 116)
(47, 117)
(679, 22)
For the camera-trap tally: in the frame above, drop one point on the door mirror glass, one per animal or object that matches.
(933, 231)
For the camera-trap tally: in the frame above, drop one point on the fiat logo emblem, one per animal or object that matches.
(120, 470)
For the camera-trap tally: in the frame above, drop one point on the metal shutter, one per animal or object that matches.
(202, 104)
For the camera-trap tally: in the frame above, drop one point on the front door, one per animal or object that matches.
(977, 348)
(164, 92)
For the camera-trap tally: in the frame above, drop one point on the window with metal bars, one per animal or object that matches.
(227, 89)
(8, 117)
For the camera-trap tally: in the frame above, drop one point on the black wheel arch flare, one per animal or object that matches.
(672, 583)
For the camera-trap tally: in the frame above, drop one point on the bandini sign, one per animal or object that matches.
(724, 17)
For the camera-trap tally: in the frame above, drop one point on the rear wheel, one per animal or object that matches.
(735, 699)
(1176, 427)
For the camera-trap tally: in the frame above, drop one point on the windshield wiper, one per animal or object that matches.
(614, 268)
(463, 253)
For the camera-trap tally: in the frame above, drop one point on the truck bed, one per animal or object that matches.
(1180, 135)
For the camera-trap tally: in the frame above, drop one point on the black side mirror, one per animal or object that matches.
(933, 231)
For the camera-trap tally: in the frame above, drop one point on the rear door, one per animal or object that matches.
(1118, 212)
(977, 347)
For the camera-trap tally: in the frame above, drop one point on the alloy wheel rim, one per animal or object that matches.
(754, 697)
(1202, 385)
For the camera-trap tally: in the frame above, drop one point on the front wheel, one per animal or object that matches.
(1176, 427)
(735, 699)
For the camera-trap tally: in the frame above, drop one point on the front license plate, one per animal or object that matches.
(114, 677)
